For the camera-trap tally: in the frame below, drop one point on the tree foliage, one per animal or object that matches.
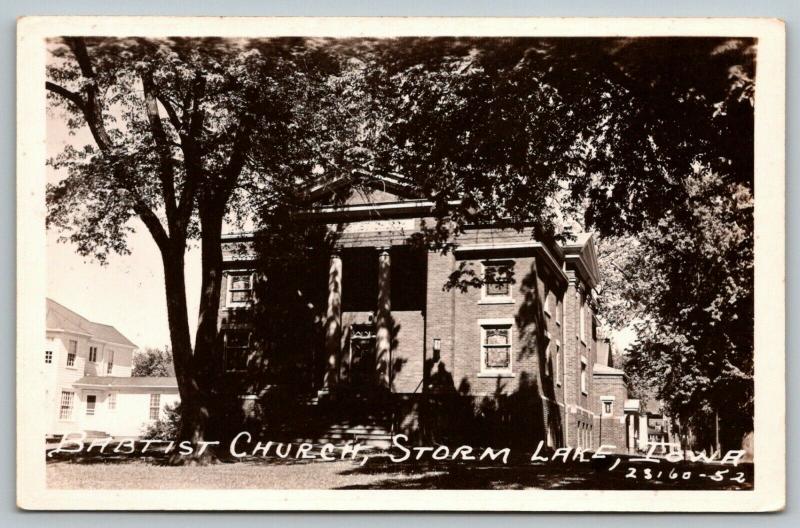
(153, 362)
(647, 141)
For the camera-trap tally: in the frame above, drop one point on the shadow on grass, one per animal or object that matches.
(552, 475)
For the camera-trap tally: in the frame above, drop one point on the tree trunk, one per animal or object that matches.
(207, 358)
(211, 265)
(193, 393)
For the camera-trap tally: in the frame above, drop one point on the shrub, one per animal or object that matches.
(167, 427)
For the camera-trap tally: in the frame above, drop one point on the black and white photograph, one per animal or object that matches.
(359, 255)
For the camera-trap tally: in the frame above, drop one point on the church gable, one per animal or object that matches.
(349, 191)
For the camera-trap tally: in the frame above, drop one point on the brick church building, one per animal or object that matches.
(363, 320)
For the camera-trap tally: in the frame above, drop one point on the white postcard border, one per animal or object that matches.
(769, 486)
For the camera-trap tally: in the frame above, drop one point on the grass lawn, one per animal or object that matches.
(96, 472)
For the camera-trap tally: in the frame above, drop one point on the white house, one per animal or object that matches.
(89, 383)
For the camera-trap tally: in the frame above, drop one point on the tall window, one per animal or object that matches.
(497, 280)
(72, 353)
(237, 349)
(48, 356)
(111, 400)
(240, 288)
(110, 366)
(584, 377)
(582, 319)
(496, 348)
(559, 308)
(548, 360)
(67, 402)
(93, 354)
(155, 406)
(91, 404)
(608, 406)
(546, 302)
(557, 366)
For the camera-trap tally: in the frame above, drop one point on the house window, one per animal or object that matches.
(497, 281)
(237, 348)
(582, 320)
(496, 347)
(91, 403)
(155, 406)
(72, 353)
(110, 366)
(48, 356)
(584, 377)
(112, 401)
(608, 406)
(547, 303)
(67, 401)
(240, 288)
(93, 354)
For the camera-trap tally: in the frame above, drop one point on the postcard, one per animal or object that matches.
(483, 264)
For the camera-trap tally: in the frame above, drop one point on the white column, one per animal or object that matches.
(333, 321)
(643, 431)
(630, 429)
(383, 319)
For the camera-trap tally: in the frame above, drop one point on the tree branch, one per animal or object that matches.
(191, 150)
(73, 97)
(173, 116)
(92, 108)
(92, 112)
(239, 150)
(166, 170)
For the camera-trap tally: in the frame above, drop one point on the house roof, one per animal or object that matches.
(61, 318)
(121, 382)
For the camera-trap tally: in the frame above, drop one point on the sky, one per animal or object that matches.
(127, 292)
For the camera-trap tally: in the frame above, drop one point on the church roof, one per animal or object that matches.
(61, 318)
(581, 252)
(389, 187)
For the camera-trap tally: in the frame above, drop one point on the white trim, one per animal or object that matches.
(499, 300)
(496, 373)
(122, 388)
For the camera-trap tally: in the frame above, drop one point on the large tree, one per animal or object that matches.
(183, 130)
